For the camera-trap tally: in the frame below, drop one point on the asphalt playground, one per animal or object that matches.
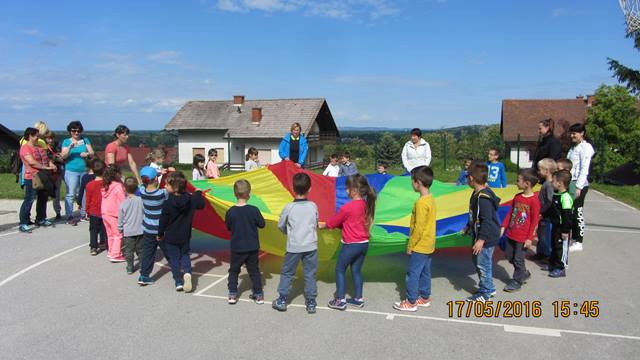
(58, 302)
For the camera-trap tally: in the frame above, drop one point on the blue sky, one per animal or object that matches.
(392, 63)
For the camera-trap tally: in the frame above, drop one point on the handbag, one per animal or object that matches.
(37, 181)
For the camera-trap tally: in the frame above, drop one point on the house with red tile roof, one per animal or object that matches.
(519, 123)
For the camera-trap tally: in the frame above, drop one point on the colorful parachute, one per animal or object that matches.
(271, 190)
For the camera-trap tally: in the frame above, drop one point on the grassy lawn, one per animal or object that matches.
(626, 193)
(9, 189)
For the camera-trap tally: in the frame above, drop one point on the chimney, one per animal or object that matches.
(590, 100)
(256, 115)
(238, 100)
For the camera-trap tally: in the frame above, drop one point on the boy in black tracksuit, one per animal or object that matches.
(484, 228)
(175, 227)
(561, 216)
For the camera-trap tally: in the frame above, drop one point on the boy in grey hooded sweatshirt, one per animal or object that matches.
(299, 221)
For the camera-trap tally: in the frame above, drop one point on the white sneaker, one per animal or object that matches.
(576, 246)
(188, 286)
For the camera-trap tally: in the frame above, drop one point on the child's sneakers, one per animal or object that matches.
(311, 305)
(479, 297)
(423, 302)
(338, 304)
(188, 285)
(129, 269)
(25, 229)
(144, 280)
(405, 305)
(359, 302)
(232, 299)
(257, 298)
(93, 251)
(513, 286)
(179, 286)
(557, 273)
(576, 246)
(118, 259)
(280, 304)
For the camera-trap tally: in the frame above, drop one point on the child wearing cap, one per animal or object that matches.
(153, 199)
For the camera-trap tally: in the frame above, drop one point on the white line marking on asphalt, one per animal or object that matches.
(193, 272)
(199, 293)
(12, 277)
(9, 233)
(390, 317)
(532, 330)
(618, 201)
(506, 327)
(614, 231)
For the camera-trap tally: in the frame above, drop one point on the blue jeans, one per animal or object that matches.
(149, 246)
(309, 268)
(30, 194)
(544, 238)
(418, 276)
(179, 260)
(72, 179)
(484, 266)
(350, 255)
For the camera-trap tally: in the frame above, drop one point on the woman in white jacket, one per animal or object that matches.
(580, 155)
(416, 152)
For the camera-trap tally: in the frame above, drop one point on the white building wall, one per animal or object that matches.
(207, 139)
(525, 160)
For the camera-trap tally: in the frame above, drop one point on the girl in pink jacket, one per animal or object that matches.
(113, 194)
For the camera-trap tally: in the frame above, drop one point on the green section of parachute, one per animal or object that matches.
(395, 202)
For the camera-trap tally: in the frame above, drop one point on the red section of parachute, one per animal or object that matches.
(208, 221)
(323, 188)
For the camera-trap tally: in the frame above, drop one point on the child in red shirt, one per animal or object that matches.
(354, 218)
(520, 227)
(93, 202)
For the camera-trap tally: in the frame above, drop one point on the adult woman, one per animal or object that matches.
(580, 155)
(117, 151)
(416, 152)
(294, 146)
(34, 159)
(548, 145)
(75, 150)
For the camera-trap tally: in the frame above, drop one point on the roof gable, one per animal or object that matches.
(277, 117)
(522, 117)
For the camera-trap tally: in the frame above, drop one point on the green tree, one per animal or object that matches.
(387, 150)
(630, 77)
(613, 124)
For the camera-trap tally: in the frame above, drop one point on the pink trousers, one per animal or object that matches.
(113, 235)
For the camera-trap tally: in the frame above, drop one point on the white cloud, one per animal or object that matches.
(338, 9)
(165, 57)
(557, 12)
(31, 32)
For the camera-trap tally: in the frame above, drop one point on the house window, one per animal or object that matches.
(264, 156)
(195, 151)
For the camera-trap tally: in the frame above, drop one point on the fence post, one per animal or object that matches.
(444, 144)
(518, 153)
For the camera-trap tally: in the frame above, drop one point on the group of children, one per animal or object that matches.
(129, 219)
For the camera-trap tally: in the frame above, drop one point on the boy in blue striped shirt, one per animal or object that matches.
(153, 199)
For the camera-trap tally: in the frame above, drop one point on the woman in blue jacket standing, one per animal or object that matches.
(294, 146)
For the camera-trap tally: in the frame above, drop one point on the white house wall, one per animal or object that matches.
(525, 160)
(207, 139)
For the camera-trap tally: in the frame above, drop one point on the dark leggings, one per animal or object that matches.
(577, 232)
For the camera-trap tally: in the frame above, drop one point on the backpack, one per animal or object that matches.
(16, 164)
